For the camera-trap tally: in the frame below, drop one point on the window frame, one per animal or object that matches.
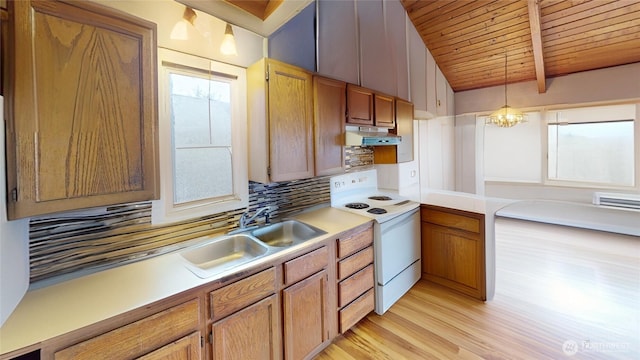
(549, 118)
(165, 210)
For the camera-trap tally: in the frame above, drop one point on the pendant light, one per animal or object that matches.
(180, 30)
(228, 46)
(506, 116)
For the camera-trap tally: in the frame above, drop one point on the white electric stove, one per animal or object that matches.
(396, 232)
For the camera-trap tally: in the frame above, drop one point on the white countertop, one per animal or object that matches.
(54, 310)
(454, 200)
(585, 216)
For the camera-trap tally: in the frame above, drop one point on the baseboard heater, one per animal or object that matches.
(626, 201)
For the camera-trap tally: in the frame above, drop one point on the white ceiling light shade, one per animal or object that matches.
(180, 30)
(506, 116)
(228, 46)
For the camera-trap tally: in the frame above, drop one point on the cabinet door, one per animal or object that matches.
(139, 337)
(376, 65)
(337, 40)
(83, 112)
(249, 334)
(359, 105)
(417, 69)
(441, 93)
(187, 348)
(396, 22)
(384, 108)
(453, 250)
(404, 128)
(290, 122)
(329, 118)
(305, 315)
(431, 84)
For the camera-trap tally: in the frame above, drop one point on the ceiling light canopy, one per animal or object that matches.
(506, 116)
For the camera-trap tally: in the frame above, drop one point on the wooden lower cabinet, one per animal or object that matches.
(453, 249)
(187, 348)
(305, 316)
(290, 310)
(159, 332)
(355, 280)
(251, 333)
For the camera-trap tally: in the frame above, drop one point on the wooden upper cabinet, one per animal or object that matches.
(329, 120)
(280, 122)
(404, 128)
(359, 105)
(385, 113)
(82, 101)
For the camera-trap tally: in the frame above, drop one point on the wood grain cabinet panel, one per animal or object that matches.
(305, 265)
(453, 249)
(280, 98)
(385, 111)
(329, 120)
(306, 316)
(355, 280)
(82, 107)
(354, 242)
(242, 293)
(355, 262)
(359, 106)
(249, 334)
(187, 348)
(138, 338)
(355, 285)
(354, 312)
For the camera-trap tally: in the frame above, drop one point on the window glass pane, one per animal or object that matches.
(197, 174)
(592, 152)
(201, 128)
(190, 110)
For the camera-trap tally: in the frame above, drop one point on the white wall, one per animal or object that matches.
(604, 85)
(14, 247)
(437, 153)
(205, 42)
(617, 84)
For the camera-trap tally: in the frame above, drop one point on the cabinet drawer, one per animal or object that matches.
(242, 293)
(355, 285)
(355, 242)
(457, 221)
(140, 337)
(355, 262)
(357, 310)
(305, 265)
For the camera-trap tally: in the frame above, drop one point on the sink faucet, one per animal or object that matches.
(245, 219)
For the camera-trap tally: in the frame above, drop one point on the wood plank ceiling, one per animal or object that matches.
(541, 38)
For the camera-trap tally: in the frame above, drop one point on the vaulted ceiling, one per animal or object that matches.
(541, 38)
(472, 40)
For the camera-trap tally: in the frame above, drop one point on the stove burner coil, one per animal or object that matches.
(377, 211)
(380, 198)
(357, 206)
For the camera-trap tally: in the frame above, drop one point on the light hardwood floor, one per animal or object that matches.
(561, 293)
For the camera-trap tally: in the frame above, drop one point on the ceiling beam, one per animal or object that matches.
(536, 40)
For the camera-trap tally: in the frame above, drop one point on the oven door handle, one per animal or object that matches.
(398, 221)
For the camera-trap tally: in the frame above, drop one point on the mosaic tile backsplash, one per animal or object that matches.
(102, 238)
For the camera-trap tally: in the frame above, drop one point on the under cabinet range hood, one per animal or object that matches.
(370, 137)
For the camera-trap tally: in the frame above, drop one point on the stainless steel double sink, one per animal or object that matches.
(244, 246)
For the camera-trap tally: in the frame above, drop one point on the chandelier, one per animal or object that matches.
(506, 116)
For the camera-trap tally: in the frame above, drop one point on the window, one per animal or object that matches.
(592, 146)
(202, 123)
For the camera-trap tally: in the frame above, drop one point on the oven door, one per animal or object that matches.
(397, 245)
